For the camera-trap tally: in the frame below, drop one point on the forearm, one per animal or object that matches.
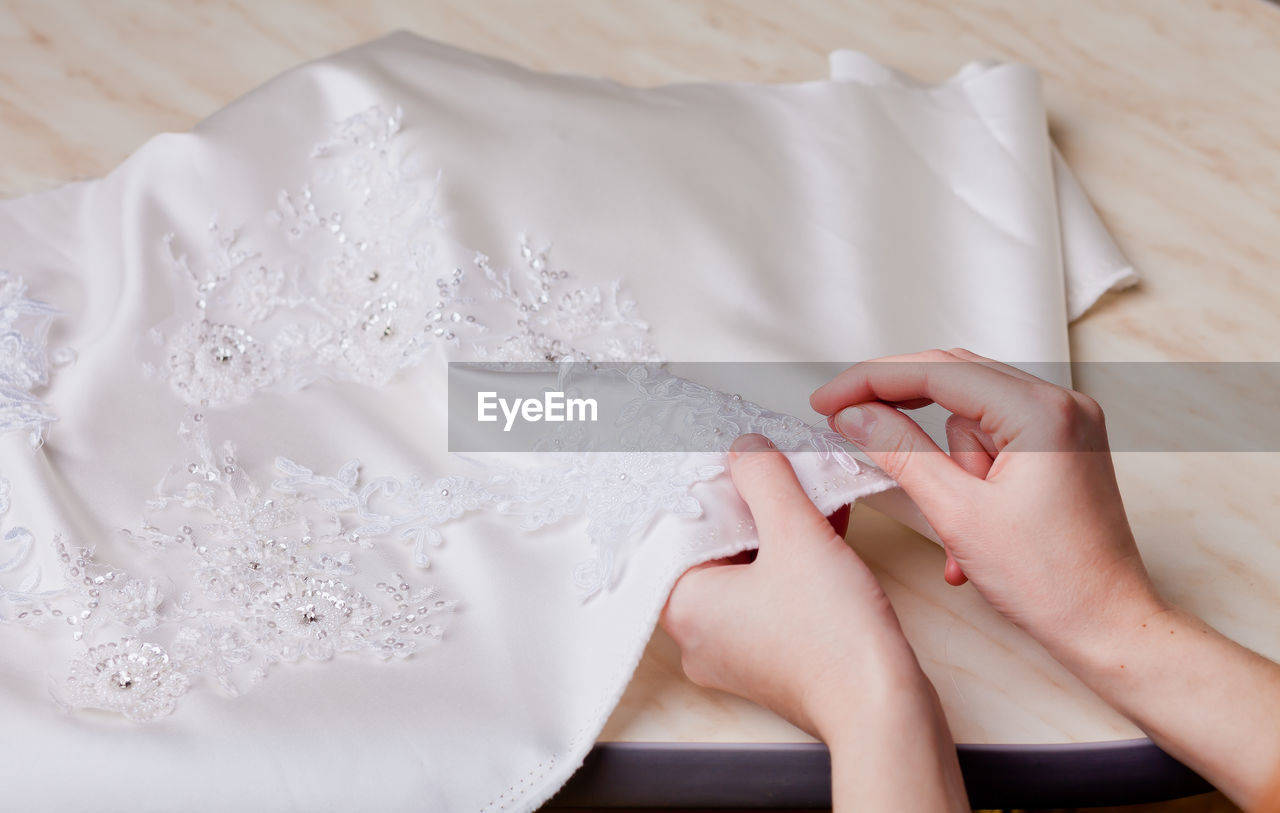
(1206, 700)
(896, 754)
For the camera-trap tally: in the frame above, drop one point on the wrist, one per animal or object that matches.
(1112, 642)
(894, 751)
(1110, 627)
(875, 702)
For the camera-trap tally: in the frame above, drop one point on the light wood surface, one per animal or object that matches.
(1168, 111)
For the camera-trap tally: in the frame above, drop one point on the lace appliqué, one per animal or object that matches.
(355, 289)
(692, 416)
(621, 494)
(279, 575)
(296, 570)
(21, 599)
(134, 678)
(24, 358)
(553, 321)
(412, 509)
(670, 437)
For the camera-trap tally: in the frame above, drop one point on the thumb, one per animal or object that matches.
(898, 445)
(779, 505)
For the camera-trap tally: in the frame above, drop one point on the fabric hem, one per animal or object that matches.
(1118, 280)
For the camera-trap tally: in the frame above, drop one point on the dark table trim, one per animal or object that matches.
(798, 775)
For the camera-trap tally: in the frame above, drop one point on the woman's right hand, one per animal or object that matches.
(1026, 503)
(1028, 508)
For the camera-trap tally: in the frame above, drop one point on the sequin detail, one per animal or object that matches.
(132, 677)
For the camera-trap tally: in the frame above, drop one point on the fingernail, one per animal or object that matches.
(855, 423)
(751, 443)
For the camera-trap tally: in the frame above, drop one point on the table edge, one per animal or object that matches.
(798, 775)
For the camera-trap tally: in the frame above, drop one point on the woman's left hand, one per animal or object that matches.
(806, 630)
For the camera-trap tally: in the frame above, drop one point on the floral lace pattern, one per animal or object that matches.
(620, 494)
(136, 679)
(278, 577)
(21, 602)
(276, 570)
(674, 434)
(709, 420)
(359, 292)
(24, 358)
(297, 569)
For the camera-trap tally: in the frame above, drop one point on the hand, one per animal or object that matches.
(806, 630)
(802, 626)
(1026, 504)
(1028, 508)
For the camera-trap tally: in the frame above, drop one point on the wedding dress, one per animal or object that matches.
(240, 569)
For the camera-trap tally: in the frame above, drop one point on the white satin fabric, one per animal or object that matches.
(833, 220)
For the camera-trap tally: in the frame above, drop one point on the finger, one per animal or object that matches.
(952, 572)
(693, 586)
(965, 355)
(779, 505)
(969, 446)
(898, 445)
(999, 401)
(1016, 372)
(839, 520)
(933, 375)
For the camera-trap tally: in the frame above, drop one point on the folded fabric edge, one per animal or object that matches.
(849, 65)
(1081, 300)
(1093, 263)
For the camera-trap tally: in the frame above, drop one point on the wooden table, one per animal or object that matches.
(1169, 113)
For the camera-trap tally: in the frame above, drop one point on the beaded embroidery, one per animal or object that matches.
(358, 293)
(278, 577)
